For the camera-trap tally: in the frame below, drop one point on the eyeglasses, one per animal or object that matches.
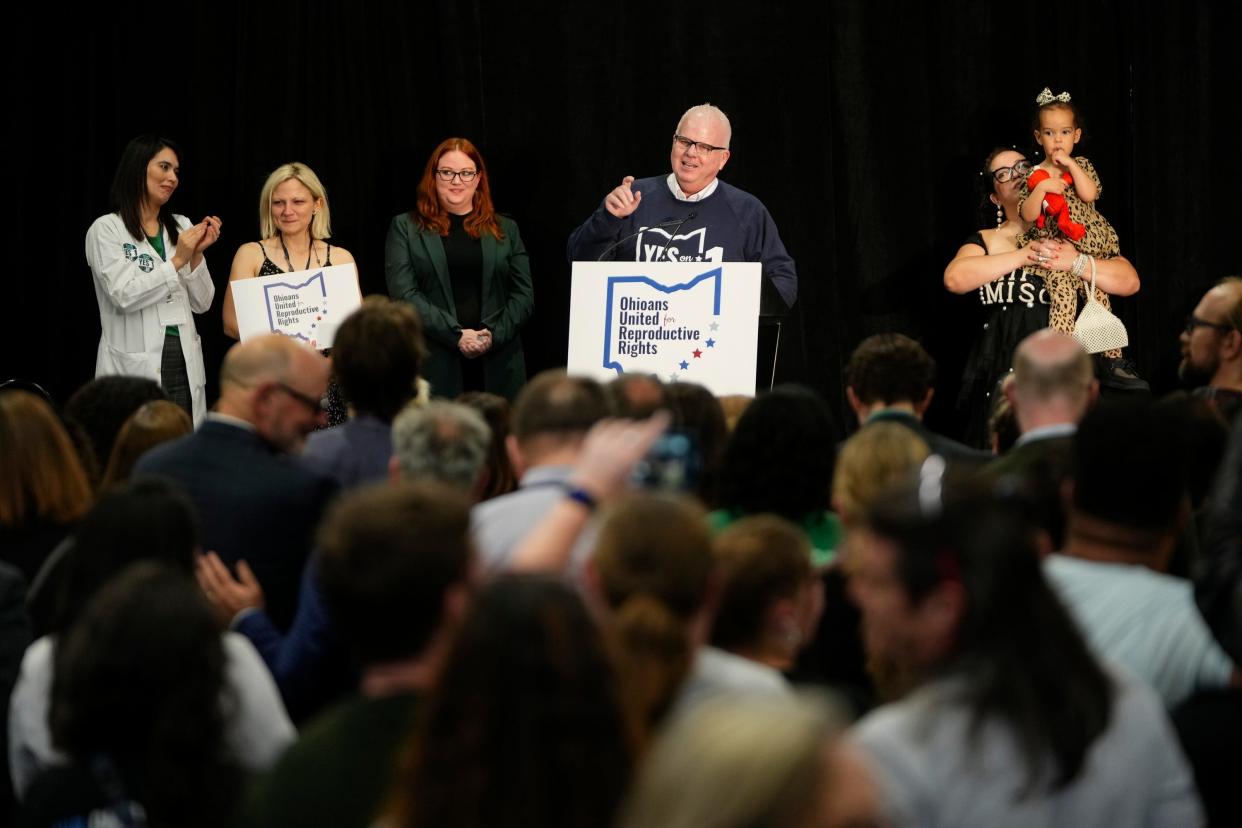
(466, 175)
(1003, 175)
(1193, 322)
(703, 149)
(315, 405)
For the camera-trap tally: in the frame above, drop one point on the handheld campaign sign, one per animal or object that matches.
(308, 305)
(682, 321)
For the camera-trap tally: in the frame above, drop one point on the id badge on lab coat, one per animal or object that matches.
(173, 311)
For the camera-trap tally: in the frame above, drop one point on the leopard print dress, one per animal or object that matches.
(1099, 241)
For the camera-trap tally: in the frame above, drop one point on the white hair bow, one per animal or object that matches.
(1046, 97)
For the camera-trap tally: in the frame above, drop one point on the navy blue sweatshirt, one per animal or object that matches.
(730, 225)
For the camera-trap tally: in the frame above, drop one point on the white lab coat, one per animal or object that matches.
(131, 285)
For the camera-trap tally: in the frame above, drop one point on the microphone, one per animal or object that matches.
(664, 247)
(674, 223)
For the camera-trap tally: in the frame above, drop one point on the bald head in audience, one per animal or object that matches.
(1053, 381)
(276, 385)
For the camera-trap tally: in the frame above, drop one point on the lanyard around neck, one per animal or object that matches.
(286, 249)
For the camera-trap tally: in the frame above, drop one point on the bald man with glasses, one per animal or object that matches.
(689, 215)
(257, 503)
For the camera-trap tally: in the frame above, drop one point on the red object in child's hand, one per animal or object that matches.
(1055, 206)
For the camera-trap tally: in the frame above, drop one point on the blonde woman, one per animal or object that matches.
(294, 225)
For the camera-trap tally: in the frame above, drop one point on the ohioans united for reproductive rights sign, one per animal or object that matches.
(682, 321)
(307, 305)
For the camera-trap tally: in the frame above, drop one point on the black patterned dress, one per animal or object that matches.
(338, 412)
(1012, 307)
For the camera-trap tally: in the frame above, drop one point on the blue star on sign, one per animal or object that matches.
(711, 343)
(685, 365)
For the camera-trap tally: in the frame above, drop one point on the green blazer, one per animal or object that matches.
(416, 271)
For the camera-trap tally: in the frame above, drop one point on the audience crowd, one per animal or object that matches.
(477, 612)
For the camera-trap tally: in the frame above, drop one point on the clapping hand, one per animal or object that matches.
(211, 233)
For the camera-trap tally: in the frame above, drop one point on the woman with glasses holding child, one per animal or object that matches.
(1014, 301)
(465, 270)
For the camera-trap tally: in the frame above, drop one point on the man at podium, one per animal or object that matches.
(690, 215)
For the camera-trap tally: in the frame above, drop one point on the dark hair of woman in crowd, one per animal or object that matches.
(136, 706)
(495, 410)
(1021, 656)
(43, 489)
(95, 413)
(653, 557)
(697, 412)
(780, 456)
(153, 423)
(526, 725)
(148, 518)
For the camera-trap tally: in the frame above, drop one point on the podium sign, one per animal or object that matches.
(308, 305)
(681, 321)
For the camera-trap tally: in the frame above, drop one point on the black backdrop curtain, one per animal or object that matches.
(860, 124)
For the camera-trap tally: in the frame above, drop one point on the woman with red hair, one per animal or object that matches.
(464, 269)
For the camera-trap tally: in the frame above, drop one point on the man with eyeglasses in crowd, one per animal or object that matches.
(690, 214)
(257, 503)
(1212, 348)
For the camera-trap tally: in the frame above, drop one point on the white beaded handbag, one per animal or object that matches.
(1097, 329)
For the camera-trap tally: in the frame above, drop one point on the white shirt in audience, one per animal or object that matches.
(257, 731)
(1143, 620)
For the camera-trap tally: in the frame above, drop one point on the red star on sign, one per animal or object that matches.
(697, 353)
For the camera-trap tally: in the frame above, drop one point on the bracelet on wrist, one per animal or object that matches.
(581, 496)
(1079, 266)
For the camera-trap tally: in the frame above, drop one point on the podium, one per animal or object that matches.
(680, 321)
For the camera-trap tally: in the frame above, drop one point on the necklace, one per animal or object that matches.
(308, 254)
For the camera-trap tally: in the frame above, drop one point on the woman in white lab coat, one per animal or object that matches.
(150, 276)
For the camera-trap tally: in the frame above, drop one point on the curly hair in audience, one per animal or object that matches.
(147, 518)
(139, 680)
(780, 456)
(890, 368)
